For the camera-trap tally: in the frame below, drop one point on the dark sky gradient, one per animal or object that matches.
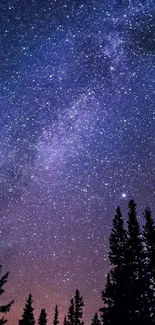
(77, 122)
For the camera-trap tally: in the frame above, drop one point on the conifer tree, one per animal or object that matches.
(71, 313)
(42, 318)
(114, 295)
(135, 270)
(128, 295)
(117, 240)
(65, 321)
(56, 321)
(149, 242)
(4, 308)
(96, 320)
(134, 245)
(27, 316)
(108, 297)
(79, 303)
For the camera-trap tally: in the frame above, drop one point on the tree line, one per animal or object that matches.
(129, 293)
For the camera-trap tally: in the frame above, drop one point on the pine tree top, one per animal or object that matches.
(42, 318)
(149, 227)
(149, 239)
(65, 320)
(79, 303)
(96, 320)
(133, 224)
(27, 316)
(117, 239)
(56, 321)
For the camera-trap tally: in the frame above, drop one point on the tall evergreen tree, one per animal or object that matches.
(136, 269)
(149, 240)
(117, 240)
(149, 244)
(65, 321)
(4, 308)
(96, 320)
(108, 297)
(27, 316)
(134, 245)
(79, 303)
(42, 318)
(56, 321)
(114, 295)
(127, 295)
(71, 313)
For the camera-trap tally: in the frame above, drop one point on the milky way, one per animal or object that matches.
(77, 123)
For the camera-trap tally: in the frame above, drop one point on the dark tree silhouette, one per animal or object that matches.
(96, 320)
(71, 313)
(108, 297)
(149, 240)
(128, 295)
(56, 321)
(117, 240)
(42, 318)
(149, 244)
(134, 245)
(135, 270)
(65, 321)
(4, 308)
(114, 294)
(79, 303)
(27, 316)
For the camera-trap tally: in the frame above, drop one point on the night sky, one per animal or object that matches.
(77, 125)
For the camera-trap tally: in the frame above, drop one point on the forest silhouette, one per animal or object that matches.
(128, 297)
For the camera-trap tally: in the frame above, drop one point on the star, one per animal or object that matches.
(77, 140)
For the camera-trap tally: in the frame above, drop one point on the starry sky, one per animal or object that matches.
(77, 125)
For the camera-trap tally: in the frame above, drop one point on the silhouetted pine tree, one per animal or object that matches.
(56, 321)
(136, 269)
(27, 316)
(149, 244)
(134, 244)
(65, 321)
(114, 295)
(79, 303)
(96, 320)
(108, 299)
(149, 240)
(71, 313)
(42, 318)
(128, 295)
(117, 240)
(4, 308)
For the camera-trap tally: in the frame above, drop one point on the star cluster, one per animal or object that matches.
(77, 123)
